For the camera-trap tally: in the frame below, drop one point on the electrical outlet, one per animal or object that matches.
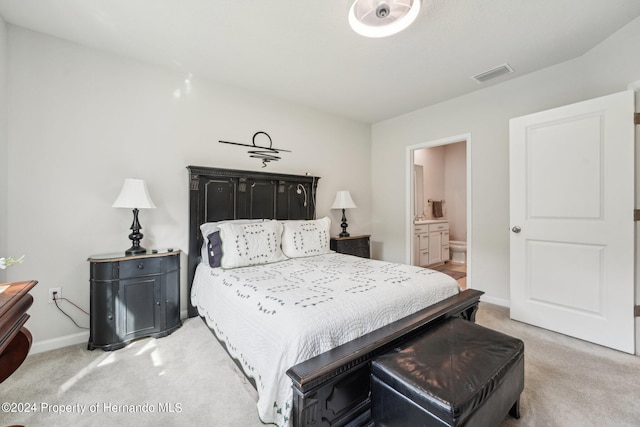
(58, 292)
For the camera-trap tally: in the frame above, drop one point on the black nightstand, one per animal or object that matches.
(352, 245)
(132, 297)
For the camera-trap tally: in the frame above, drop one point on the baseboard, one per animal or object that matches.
(54, 343)
(67, 340)
(496, 301)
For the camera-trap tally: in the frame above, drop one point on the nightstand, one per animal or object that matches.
(352, 245)
(133, 296)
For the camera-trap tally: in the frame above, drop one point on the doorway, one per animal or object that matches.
(445, 165)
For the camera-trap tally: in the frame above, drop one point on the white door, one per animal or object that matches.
(572, 237)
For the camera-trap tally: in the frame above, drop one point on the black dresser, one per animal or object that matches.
(352, 245)
(133, 297)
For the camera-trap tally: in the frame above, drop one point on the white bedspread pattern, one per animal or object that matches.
(274, 316)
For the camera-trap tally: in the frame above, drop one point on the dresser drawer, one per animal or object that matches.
(354, 244)
(358, 246)
(439, 226)
(140, 267)
(424, 228)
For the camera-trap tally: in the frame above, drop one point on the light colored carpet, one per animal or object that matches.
(567, 382)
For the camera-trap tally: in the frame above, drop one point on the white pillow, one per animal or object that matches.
(306, 238)
(251, 244)
(211, 227)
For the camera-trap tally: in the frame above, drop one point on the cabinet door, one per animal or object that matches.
(445, 246)
(102, 320)
(138, 306)
(423, 258)
(445, 238)
(435, 247)
(423, 241)
(421, 249)
(171, 289)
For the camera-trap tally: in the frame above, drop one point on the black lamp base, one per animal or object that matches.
(135, 236)
(133, 250)
(344, 225)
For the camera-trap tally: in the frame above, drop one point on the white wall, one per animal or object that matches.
(485, 114)
(3, 145)
(81, 121)
(455, 189)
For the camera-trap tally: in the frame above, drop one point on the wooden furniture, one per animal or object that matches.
(15, 339)
(431, 243)
(352, 245)
(133, 296)
(456, 374)
(219, 194)
(333, 387)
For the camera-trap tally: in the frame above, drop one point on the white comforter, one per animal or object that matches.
(274, 316)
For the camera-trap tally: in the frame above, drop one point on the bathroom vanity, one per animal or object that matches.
(430, 242)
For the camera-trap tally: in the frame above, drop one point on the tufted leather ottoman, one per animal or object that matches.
(455, 374)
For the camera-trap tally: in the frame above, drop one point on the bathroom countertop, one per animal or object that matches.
(429, 221)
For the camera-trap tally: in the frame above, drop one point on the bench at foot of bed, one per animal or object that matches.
(456, 374)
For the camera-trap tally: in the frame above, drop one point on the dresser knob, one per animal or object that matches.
(141, 266)
(157, 302)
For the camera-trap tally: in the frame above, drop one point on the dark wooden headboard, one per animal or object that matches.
(220, 194)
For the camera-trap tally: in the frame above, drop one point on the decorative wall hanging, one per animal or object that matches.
(266, 154)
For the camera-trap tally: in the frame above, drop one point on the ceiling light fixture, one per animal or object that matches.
(382, 18)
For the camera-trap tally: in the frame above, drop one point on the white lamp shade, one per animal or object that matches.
(134, 195)
(343, 201)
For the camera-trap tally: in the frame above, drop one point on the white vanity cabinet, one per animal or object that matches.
(438, 242)
(431, 242)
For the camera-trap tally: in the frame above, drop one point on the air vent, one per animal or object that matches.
(493, 73)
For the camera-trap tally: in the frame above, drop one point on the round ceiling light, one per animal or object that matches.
(381, 18)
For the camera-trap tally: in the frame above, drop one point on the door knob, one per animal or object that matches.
(516, 229)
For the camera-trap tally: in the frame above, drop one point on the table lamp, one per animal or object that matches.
(343, 201)
(134, 195)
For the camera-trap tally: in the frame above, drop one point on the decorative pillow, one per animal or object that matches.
(214, 249)
(306, 238)
(251, 244)
(211, 227)
(208, 228)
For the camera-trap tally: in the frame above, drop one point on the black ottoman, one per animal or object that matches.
(455, 374)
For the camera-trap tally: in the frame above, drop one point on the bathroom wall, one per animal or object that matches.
(445, 178)
(455, 189)
(432, 161)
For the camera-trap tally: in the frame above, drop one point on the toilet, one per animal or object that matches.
(458, 251)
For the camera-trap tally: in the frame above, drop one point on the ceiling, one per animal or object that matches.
(305, 52)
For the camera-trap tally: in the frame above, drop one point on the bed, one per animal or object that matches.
(320, 376)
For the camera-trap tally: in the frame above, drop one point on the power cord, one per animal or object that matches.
(55, 301)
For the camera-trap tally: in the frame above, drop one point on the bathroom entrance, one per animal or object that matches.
(438, 185)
